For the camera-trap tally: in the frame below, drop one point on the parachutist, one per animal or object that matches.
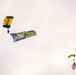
(8, 31)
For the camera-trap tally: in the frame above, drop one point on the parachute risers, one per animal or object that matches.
(7, 22)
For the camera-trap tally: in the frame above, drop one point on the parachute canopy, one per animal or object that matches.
(71, 55)
(7, 21)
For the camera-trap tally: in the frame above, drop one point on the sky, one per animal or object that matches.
(46, 53)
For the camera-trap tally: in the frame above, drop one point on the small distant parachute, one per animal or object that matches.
(71, 55)
(22, 35)
(74, 63)
(7, 22)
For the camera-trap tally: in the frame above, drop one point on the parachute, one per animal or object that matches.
(7, 22)
(74, 63)
(71, 55)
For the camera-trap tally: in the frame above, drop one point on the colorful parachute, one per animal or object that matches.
(22, 35)
(71, 55)
(7, 22)
(74, 63)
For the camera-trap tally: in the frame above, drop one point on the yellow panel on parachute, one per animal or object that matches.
(7, 22)
(71, 55)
